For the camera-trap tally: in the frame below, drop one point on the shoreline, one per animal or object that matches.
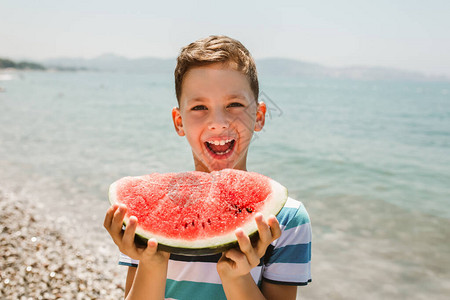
(39, 261)
(52, 256)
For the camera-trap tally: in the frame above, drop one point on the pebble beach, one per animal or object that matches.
(39, 262)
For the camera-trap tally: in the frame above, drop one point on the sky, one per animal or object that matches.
(409, 35)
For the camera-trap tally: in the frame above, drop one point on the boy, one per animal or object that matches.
(218, 110)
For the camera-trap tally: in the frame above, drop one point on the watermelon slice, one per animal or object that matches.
(196, 213)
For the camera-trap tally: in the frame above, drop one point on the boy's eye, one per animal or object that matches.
(199, 107)
(235, 104)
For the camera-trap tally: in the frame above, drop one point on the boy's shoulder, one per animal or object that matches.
(293, 214)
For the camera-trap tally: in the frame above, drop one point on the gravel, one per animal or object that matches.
(37, 261)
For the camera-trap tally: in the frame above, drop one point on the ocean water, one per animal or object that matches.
(369, 159)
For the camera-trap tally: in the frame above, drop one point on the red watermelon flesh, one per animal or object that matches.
(197, 212)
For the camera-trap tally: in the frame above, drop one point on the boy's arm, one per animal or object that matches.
(149, 280)
(245, 288)
(130, 278)
(278, 291)
(235, 265)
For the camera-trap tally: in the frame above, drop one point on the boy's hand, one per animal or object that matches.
(238, 262)
(125, 239)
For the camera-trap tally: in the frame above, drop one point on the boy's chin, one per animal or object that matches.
(216, 165)
(219, 166)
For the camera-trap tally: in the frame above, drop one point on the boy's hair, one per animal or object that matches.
(213, 49)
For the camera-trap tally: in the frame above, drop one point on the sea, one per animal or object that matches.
(370, 160)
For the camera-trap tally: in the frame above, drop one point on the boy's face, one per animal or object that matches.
(218, 114)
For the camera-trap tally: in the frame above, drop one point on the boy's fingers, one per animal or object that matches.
(274, 227)
(265, 235)
(246, 247)
(117, 221)
(268, 232)
(128, 235)
(109, 216)
(152, 246)
(236, 256)
(152, 249)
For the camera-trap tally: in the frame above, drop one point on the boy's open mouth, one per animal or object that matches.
(220, 149)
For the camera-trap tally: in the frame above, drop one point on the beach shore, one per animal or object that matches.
(43, 257)
(38, 261)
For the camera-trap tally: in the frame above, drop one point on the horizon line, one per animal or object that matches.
(350, 66)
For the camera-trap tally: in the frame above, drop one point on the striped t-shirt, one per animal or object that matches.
(287, 261)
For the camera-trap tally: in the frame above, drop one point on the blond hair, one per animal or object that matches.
(213, 49)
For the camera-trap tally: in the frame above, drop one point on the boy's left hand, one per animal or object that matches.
(238, 262)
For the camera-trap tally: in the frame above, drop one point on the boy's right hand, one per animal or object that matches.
(125, 239)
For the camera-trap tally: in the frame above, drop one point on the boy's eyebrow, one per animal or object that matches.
(238, 96)
(197, 99)
(229, 97)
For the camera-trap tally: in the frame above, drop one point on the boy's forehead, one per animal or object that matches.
(214, 69)
(216, 79)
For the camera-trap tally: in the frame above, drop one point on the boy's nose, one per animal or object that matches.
(218, 121)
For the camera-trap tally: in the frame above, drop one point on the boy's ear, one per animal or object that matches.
(177, 121)
(260, 116)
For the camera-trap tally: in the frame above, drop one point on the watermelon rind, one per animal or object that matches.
(211, 245)
(141, 242)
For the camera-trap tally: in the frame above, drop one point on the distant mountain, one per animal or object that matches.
(23, 65)
(290, 67)
(115, 63)
(295, 68)
(266, 67)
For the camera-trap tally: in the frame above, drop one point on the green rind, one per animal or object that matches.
(141, 242)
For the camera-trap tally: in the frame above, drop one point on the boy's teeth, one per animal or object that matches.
(222, 142)
(220, 147)
(225, 152)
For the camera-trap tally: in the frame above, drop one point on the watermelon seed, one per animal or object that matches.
(185, 225)
(209, 221)
(249, 210)
(193, 224)
(203, 224)
(237, 209)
